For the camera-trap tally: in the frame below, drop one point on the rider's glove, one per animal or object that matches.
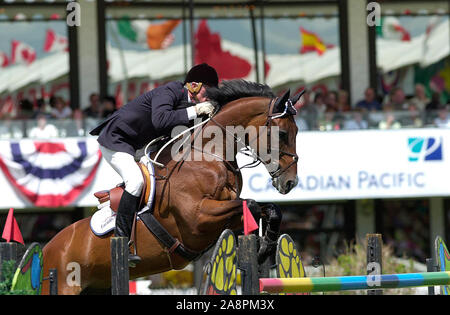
(204, 108)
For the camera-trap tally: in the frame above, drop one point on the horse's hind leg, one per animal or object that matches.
(69, 252)
(54, 259)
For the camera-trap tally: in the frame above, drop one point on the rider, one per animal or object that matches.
(148, 116)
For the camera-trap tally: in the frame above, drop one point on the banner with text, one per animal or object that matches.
(332, 166)
(362, 164)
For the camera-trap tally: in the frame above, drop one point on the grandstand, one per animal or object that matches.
(374, 127)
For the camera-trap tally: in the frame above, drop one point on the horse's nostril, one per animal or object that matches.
(290, 184)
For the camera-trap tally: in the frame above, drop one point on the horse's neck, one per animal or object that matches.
(243, 112)
(240, 113)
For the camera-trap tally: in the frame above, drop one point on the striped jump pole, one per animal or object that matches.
(325, 284)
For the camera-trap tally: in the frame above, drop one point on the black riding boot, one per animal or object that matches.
(124, 221)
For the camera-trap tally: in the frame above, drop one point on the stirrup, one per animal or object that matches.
(133, 258)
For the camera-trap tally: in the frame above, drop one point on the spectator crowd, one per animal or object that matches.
(317, 111)
(332, 111)
(53, 117)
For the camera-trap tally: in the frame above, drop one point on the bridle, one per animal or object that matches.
(250, 152)
(270, 117)
(246, 149)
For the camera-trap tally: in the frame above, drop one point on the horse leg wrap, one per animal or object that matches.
(269, 241)
(254, 208)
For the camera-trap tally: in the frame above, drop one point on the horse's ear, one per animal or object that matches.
(297, 96)
(280, 104)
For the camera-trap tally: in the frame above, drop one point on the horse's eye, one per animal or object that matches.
(284, 136)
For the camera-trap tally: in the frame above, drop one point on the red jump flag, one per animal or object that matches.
(11, 231)
(249, 222)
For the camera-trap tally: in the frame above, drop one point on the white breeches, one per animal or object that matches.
(124, 164)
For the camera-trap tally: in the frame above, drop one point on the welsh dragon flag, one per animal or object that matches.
(154, 36)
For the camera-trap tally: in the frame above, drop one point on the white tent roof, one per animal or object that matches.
(168, 63)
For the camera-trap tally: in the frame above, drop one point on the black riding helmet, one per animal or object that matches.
(203, 73)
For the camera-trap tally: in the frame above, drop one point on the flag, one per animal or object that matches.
(55, 42)
(311, 42)
(11, 231)
(154, 36)
(50, 173)
(249, 222)
(4, 60)
(208, 49)
(22, 53)
(431, 25)
(392, 29)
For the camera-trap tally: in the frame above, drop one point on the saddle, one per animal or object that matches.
(115, 194)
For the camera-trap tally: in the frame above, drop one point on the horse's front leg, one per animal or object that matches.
(226, 214)
(272, 215)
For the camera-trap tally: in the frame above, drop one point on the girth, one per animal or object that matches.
(172, 244)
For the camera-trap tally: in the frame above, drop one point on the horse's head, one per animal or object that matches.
(268, 125)
(282, 134)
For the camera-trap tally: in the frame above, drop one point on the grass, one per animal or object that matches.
(8, 270)
(353, 262)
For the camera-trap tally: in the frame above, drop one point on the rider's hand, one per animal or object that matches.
(204, 108)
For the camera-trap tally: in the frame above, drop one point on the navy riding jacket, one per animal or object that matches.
(147, 117)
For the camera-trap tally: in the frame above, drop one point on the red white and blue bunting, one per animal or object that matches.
(50, 173)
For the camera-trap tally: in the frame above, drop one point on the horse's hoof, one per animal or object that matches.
(266, 249)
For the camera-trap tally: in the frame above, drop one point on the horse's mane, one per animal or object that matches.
(234, 89)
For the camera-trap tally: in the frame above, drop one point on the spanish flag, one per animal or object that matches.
(311, 42)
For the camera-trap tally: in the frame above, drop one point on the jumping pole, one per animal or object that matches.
(326, 284)
(119, 266)
(248, 264)
(374, 258)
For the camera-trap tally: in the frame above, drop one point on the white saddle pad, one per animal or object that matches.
(104, 219)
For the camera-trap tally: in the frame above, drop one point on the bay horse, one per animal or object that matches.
(195, 202)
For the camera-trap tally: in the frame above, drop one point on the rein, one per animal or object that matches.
(172, 244)
(246, 149)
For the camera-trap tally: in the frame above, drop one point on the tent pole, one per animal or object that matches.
(191, 25)
(263, 40)
(255, 41)
(185, 58)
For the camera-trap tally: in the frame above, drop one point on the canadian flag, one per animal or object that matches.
(4, 60)
(55, 42)
(392, 29)
(22, 53)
